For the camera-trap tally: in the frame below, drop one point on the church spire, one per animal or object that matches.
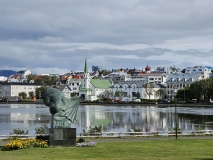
(86, 67)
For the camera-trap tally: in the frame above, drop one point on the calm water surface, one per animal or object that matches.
(111, 118)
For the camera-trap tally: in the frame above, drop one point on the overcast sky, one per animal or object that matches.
(54, 36)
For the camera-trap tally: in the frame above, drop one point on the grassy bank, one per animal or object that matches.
(158, 149)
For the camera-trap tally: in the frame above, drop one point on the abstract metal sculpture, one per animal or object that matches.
(63, 110)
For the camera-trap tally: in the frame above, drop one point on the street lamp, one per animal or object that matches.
(175, 91)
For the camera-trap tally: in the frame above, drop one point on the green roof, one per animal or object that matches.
(85, 89)
(100, 83)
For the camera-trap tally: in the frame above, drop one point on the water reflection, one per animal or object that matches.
(111, 118)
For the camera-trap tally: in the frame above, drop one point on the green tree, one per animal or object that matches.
(104, 72)
(202, 89)
(31, 77)
(138, 95)
(148, 89)
(31, 94)
(119, 94)
(45, 79)
(159, 93)
(23, 95)
(109, 94)
(39, 92)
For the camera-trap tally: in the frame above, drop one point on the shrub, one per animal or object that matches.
(137, 130)
(19, 131)
(93, 130)
(43, 138)
(80, 140)
(40, 130)
(26, 143)
(189, 101)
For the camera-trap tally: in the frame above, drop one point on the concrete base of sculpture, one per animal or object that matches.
(62, 137)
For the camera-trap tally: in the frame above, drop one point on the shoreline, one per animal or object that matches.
(128, 104)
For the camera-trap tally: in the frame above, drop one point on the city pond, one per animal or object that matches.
(111, 118)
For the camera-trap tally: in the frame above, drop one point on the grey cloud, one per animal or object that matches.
(192, 52)
(120, 22)
(53, 34)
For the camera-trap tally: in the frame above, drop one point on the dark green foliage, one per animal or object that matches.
(43, 137)
(39, 92)
(40, 130)
(138, 95)
(19, 131)
(31, 95)
(202, 89)
(46, 80)
(137, 130)
(23, 95)
(95, 129)
(80, 140)
(92, 130)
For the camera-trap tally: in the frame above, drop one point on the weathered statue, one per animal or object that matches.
(63, 110)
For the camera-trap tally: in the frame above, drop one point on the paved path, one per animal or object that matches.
(146, 139)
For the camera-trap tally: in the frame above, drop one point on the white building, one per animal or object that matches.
(199, 69)
(178, 81)
(91, 89)
(130, 89)
(65, 89)
(10, 90)
(74, 84)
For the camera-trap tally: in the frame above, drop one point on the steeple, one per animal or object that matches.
(86, 73)
(86, 67)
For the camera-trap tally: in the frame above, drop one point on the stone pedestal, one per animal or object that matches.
(62, 137)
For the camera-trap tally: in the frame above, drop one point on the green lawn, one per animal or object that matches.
(152, 149)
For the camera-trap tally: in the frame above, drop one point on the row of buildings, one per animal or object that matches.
(130, 82)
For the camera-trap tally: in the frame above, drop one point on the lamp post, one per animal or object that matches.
(184, 94)
(175, 91)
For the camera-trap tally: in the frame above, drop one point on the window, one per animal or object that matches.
(72, 84)
(77, 84)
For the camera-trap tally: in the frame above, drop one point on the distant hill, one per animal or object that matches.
(7, 73)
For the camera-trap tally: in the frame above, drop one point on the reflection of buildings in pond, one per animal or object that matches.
(145, 118)
(195, 122)
(23, 117)
(5, 118)
(91, 118)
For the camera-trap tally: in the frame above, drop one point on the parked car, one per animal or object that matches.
(137, 100)
(163, 101)
(126, 100)
(13, 100)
